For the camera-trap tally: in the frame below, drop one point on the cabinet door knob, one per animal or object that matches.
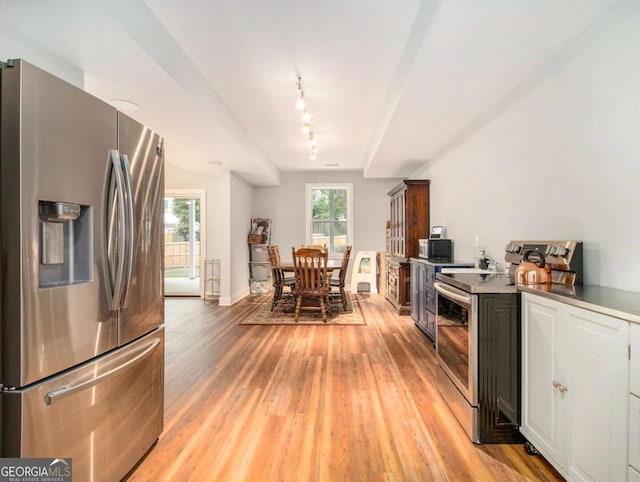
(561, 388)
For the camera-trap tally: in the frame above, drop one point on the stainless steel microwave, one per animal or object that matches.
(435, 249)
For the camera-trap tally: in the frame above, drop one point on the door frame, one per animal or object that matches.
(192, 194)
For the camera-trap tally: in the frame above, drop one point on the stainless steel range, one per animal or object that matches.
(478, 339)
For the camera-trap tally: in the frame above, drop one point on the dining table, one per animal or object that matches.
(332, 265)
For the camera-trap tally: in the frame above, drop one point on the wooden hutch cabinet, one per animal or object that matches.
(409, 222)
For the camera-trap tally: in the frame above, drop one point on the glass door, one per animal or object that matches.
(183, 258)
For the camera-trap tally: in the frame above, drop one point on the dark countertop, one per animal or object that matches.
(608, 301)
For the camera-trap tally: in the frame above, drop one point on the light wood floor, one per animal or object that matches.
(312, 403)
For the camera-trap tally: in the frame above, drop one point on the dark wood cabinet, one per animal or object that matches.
(409, 216)
(409, 202)
(398, 290)
(499, 348)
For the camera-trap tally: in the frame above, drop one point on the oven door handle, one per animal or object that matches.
(452, 293)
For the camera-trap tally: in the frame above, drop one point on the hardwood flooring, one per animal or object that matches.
(312, 403)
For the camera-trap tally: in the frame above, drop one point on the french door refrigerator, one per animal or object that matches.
(81, 193)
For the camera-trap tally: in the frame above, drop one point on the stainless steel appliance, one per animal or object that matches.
(563, 257)
(81, 193)
(439, 250)
(478, 339)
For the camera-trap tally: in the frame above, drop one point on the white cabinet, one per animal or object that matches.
(575, 388)
(634, 375)
(598, 402)
(634, 404)
(634, 432)
(543, 361)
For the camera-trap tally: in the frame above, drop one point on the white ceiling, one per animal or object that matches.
(390, 83)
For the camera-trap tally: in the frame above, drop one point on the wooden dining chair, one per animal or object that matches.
(316, 246)
(279, 280)
(287, 276)
(339, 282)
(311, 280)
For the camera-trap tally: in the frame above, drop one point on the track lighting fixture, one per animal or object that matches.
(302, 105)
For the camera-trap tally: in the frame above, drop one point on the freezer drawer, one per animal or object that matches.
(105, 414)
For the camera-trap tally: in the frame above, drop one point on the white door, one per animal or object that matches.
(634, 401)
(598, 395)
(543, 412)
(183, 242)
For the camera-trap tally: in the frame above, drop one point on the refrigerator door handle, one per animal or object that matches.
(130, 225)
(114, 286)
(63, 392)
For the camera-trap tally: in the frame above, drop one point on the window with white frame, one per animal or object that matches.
(329, 211)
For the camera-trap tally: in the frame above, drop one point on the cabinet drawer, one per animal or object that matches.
(634, 431)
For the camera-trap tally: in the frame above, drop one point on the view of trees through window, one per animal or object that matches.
(329, 218)
(180, 209)
(181, 250)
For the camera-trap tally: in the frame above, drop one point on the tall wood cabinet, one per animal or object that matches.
(409, 202)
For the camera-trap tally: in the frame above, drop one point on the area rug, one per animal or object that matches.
(284, 313)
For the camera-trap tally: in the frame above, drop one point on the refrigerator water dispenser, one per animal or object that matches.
(65, 243)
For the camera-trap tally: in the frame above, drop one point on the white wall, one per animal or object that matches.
(241, 212)
(15, 45)
(285, 206)
(561, 160)
(229, 210)
(217, 215)
(232, 202)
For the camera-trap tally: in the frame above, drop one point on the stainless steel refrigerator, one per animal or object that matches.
(81, 193)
